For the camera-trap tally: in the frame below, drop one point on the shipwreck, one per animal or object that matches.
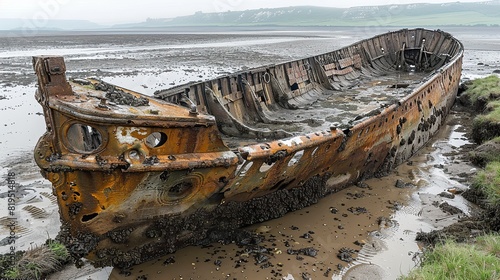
(137, 176)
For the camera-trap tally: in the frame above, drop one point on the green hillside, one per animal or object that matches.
(479, 13)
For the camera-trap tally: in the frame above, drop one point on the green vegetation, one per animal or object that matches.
(484, 96)
(36, 262)
(493, 111)
(450, 260)
(488, 181)
(482, 90)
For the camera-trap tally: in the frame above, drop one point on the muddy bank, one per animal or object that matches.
(479, 100)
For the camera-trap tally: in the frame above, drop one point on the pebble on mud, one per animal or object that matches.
(345, 254)
(402, 185)
(357, 210)
(450, 209)
(310, 252)
(447, 195)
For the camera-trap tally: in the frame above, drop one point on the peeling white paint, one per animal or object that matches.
(247, 150)
(293, 141)
(124, 134)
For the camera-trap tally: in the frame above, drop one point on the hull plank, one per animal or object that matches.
(137, 177)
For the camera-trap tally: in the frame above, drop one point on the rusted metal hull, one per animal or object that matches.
(137, 177)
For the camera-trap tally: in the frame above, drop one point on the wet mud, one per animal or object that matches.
(367, 229)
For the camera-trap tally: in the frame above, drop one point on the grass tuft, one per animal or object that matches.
(488, 181)
(461, 261)
(484, 96)
(38, 261)
(484, 89)
(490, 244)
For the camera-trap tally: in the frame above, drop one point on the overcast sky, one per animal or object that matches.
(119, 11)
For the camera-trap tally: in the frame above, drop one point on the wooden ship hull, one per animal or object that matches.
(137, 177)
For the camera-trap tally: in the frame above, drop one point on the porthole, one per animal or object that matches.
(83, 138)
(156, 139)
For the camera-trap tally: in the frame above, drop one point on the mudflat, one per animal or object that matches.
(368, 228)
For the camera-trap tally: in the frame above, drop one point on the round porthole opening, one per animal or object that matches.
(84, 138)
(156, 139)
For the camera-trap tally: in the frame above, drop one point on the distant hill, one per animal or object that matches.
(52, 24)
(467, 14)
(479, 13)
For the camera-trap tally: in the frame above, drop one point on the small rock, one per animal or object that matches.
(450, 209)
(305, 235)
(447, 195)
(306, 276)
(345, 254)
(362, 185)
(327, 272)
(357, 210)
(310, 252)
(261, 258)
(402, 185)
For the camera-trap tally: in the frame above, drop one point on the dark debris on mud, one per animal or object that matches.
(346, 254)
(462, 231)
(450, 209)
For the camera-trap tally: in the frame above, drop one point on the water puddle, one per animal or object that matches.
(20, 120)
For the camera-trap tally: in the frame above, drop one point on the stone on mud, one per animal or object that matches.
(447, 195)
(450, 209)
(402, 185)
